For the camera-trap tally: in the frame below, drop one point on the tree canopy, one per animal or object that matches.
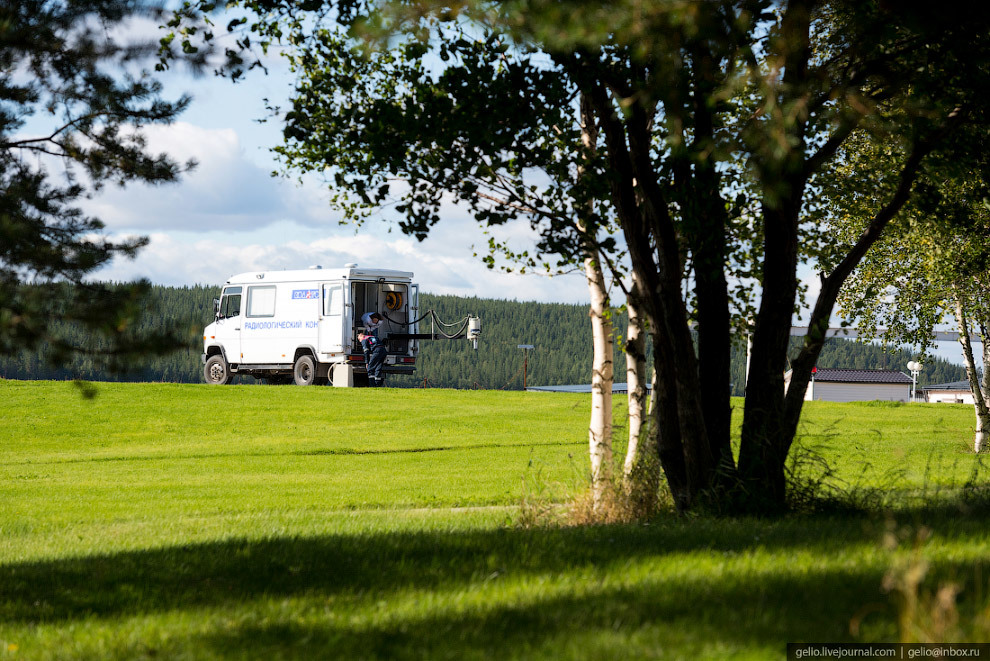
(932, 264)
(73, 98)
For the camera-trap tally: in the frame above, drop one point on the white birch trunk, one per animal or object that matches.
(600, 425)
(636, 383)
(979, 402)
(641, 475)
(983, 425)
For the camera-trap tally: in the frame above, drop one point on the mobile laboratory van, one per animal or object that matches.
(303, 325)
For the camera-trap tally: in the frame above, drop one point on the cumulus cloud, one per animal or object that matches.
(226, 191)
(187, 260)
(230, 216)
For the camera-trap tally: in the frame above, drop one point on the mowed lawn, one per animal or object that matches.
(199, 451)
(183, 521)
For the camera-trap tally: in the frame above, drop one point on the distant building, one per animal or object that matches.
(957, 392)
(845, 385)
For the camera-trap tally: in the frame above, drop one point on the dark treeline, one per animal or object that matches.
(560, 333)
(184, 310)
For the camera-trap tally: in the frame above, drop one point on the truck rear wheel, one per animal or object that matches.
(304, 371)
(216, 371)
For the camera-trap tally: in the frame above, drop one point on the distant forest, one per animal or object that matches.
(560, 333)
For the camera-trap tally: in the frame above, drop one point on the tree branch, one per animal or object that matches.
(832, 284)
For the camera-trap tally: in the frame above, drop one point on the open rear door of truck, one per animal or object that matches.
(334, 317)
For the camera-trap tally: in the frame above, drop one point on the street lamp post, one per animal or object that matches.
(915, 367)
(525, 348)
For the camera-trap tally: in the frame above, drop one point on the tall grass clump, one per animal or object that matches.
(536, 509)
(615, 506)
(639, 499)
(929, 610)
(815, 485)
(923, 615)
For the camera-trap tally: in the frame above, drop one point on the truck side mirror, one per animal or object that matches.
(216, 308)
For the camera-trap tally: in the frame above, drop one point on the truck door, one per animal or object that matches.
(228, 324)
(261, 339)
(333, 319)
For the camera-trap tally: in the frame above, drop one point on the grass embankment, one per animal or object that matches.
(165, 521)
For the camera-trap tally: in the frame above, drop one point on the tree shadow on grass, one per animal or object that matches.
(617, 622)
(570, 591)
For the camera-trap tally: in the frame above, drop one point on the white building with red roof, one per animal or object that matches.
(852, 385)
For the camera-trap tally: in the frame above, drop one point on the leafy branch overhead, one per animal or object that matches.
(72, 102)
(932, 265)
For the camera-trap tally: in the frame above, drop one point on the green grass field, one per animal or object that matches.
(162, 521)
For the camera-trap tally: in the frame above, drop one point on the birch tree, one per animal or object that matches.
(600, 312)
(641, 470)
(388, 98)
(978, 389)
(932, 267)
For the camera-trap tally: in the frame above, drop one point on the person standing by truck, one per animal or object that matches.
(374, 348)
(374, 358)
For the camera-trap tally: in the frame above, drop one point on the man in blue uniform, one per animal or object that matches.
(374, 358)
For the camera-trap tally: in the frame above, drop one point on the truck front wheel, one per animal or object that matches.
(216, 371)
(304, 371)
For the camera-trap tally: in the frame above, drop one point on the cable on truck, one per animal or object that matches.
(433, 315)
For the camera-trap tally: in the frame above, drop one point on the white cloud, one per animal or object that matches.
(808, 277)
(439, 267)
(226, 191)
(229, 216)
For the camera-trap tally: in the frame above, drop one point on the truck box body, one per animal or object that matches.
(266, 321)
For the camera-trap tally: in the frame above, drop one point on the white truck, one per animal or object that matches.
(302, 325)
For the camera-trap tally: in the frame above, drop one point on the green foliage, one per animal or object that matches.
(933, 256)
(360, 117)
(70, 120)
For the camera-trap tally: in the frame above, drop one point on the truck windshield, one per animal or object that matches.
(230, 302)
